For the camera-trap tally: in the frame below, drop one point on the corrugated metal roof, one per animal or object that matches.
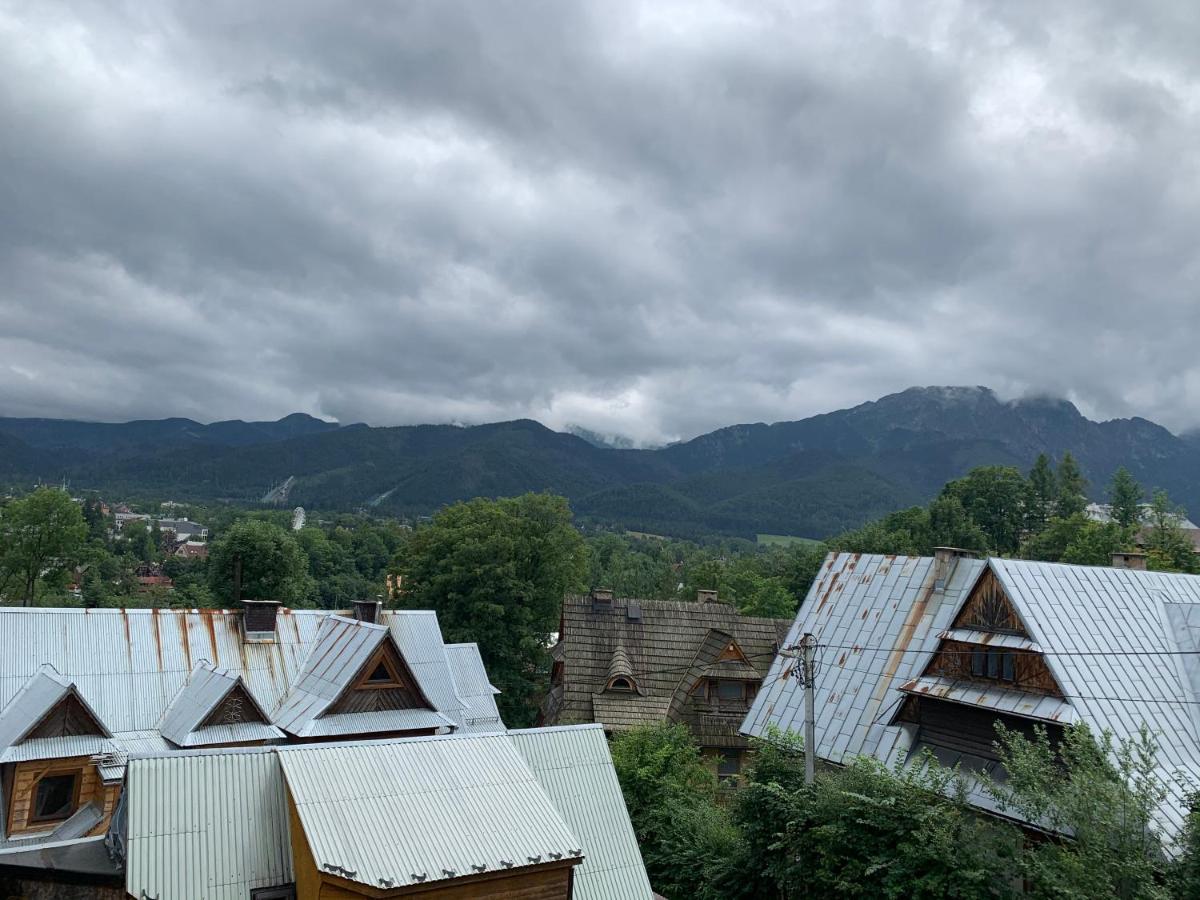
(1110, 637)
(574, 767)
(204, 691)
(206, 825)
(1018, 703)
(58, 748)
(421, 811)
(43, 691)
(381, 721)
(991, 639)
(419, 637)
(474, 689)
(211, 824)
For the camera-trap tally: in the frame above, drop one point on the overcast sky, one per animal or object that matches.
(646, 218)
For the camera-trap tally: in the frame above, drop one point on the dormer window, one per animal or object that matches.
(728, 690)
(993, 663)
(621, 683)
(55, 797)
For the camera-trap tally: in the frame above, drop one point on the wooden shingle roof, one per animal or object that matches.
(666, 651)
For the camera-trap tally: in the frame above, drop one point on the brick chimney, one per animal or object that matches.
(707, 596)
(368, 611)
(945, 561)
(258, 620)
(1129, 560)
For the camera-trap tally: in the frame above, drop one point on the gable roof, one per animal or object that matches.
(659, 651)
(1123, 644)
(205, 690)
(184, 840)
(37, 698)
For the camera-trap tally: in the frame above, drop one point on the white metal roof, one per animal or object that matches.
(1123, 644)
(41, 692)
(211, 824)
(474, 689)
(204, 691)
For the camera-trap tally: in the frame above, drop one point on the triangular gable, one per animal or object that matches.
(214, 697)
(733, 653)
(383, 682)
(989, 608)
(48, 706)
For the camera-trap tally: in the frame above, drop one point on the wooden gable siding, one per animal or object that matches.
(236, 708)
(549, 882)
(68, 717)
(953, 659)
(401, 693)
(22, 778)
(966, 729)
(989, 609)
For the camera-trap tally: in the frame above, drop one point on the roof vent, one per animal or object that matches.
(945, 561)
(258, 620)
(706, 596)
(633, 612)
(1129, 560)
(602, 599)
(370, 611)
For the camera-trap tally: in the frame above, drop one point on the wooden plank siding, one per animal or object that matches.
(22, 778)
(989, 609)
(953, 659)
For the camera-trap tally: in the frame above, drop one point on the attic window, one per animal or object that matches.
(999, 665)
(381, 675)
(620, 683)
(55, 797)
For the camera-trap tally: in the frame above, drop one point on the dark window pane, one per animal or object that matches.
(729, 763)
(55, 797)
(730, 690)
(1009, 668)
(380, 674)
(978, 662)
(994, 663)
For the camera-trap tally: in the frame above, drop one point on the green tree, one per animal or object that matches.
(266, 559)
(1043, 494)
(1167, 546)
(994, 497)
(1125, 499)
(1072, 488)
(41, 536)
(1103, 793)
(496, 572)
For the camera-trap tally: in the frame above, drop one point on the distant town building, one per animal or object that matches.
(191, 550)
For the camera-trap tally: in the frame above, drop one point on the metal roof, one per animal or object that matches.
(43, 691)
(58, 748)
(1018, 703)
(206, 826)
(421, 811)
(574, 767)
(474, 689)
(204, 691)
(211, 824)
(1122, 644)
(378, 722)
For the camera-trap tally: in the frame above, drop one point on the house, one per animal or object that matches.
(624, 663)
(929, 652)
(533, 814)
(151, 575)
(183, 529)
(82, 690)
(191, 550)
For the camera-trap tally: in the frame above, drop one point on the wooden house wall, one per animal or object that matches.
(953, 659)
(25, 774)
(989, 609)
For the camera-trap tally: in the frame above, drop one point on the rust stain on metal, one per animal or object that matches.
(842, 659)
(903, 639)
(865, 611)
(154, 615)
(128, 636)
(185, 639)
(207, 619)
(825, 597)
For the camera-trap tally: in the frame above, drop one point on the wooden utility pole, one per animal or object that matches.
(808, 649)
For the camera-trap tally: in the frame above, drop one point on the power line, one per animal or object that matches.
(1041, 652)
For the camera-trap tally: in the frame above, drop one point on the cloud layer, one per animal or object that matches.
(647, 218)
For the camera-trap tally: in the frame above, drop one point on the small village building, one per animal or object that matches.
(624, 663)
(191, 550)
(919, 653)
(83, 690)
(522, 815)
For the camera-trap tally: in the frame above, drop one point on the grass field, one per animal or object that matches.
(783, 540)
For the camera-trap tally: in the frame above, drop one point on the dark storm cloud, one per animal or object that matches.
(648, 218)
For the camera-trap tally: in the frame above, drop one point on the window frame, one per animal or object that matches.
(724, 756)
(622, 684)
(33, 818)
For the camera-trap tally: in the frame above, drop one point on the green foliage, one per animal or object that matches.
(1072, 488)
(272, 565)
(1125, 499)
(994, 498)
(1077, 540)
(496, 572)
(1043, 493)
(1167, 546)
(42, 536)
(1101, 793)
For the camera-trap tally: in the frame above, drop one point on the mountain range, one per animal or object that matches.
(812, 477)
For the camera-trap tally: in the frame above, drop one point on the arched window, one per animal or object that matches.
(620, 683)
